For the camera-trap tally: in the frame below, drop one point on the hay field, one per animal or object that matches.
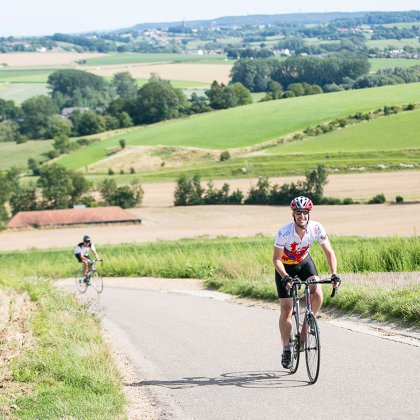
(33, 59)
(205, 73)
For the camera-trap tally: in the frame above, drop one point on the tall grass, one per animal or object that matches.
(69, 371)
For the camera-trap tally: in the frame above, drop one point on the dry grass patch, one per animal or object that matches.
(15, 338)
(143, 158)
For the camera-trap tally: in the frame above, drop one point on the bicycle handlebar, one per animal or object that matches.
(297, 280)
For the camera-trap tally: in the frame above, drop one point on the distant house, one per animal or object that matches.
(75, 216)
(66, 112)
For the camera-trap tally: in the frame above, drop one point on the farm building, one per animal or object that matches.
(75, 216)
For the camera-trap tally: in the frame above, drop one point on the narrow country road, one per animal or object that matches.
(201, 355)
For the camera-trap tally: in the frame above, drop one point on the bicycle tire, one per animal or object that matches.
(294, 343)
(97, 282)
(312, 348)
(81, 286)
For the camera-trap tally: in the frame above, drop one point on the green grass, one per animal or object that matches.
(33, 75)
(240, 266)
(131, 58)
(397, 43)
(251, 124)
(396, 132)
(69, 370)
(390, 63)
(12, 154)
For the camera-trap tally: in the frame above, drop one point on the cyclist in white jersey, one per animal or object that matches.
(291, 257)
(81, 252)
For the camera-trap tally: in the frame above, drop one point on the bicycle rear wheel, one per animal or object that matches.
(81, 286)
(97, 282)
(312, 348)
(294, 343)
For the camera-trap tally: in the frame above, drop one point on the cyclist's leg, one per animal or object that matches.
(286, 309)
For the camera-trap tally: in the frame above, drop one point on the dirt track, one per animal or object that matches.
(162, 221)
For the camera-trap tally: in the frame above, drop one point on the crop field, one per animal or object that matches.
(203, 73)
(252, 124)
(32, 59)
(133, 58)
(12, 154)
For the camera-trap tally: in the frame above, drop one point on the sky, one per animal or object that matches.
(46, 17)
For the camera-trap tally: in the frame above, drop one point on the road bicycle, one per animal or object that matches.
(306, 337)
(93, 278)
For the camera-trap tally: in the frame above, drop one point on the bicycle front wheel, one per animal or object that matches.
(312, 348)
(97, 282)
(294, 343)
(81, 286)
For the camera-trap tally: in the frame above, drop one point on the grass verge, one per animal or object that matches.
(68, 372)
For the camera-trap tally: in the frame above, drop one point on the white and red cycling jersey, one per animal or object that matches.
(295, 249)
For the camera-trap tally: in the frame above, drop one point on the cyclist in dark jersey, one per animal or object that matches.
(291, 257)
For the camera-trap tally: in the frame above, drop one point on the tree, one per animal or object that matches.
(125, 85)
(57, 125)
(77, 88)
(23, 198)
(35, 113)
(62, 144)
(157, 101)
(125, 196)
(5, 190)
(61, 188)
(9, 131)
(87, 123)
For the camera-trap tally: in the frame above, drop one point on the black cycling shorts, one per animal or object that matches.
(79, 258)
(304, 270)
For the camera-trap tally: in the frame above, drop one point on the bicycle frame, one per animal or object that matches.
(307, 330)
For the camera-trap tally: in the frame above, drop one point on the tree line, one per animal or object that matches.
(94, 105)
(190, 192)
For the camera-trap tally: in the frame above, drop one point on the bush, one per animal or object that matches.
(378, 199)
(348, 200)
(110, 171)
(224, 156)
(399, 199)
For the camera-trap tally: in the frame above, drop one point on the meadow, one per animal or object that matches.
(12, 154)
(132, 58)
(249, 125)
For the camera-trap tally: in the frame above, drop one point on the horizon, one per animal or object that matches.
(47, 17)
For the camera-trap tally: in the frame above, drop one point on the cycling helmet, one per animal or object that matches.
(301, 203)
(86, 238)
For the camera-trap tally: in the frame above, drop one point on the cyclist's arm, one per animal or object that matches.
(94, 252)
(277, 261)
(330, 255)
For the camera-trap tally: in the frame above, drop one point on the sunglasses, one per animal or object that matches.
(300, 212)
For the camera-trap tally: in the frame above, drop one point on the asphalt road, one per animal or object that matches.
(202, 357)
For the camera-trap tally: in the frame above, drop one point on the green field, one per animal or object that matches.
(252, 124)
(401, 25)
(395, 43)
(12, 154)
(393, 133)
(131, 58)
(19, 92)
(25, 75)
(390, 63)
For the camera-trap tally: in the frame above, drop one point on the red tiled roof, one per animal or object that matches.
(71, 217)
